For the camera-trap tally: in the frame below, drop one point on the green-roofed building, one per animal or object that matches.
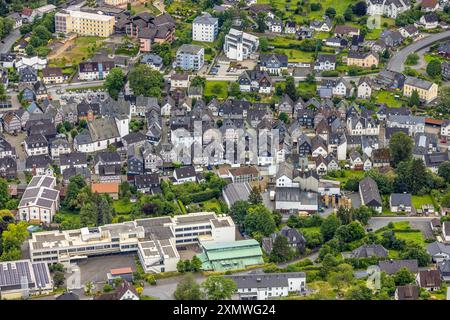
(230, 255)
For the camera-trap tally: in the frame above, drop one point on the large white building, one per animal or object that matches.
(40, 201)
(205, 28)
(388, 8)
(264, 286)
(239, 45)
(154, 239)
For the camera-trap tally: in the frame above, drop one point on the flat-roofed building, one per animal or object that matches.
(222, 256)
(154, 239)
(40, 200)
(84, 23)
(21, 278)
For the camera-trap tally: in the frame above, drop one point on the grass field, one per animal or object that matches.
(289, 7)
(216, 88)
(388, 98)
(402, 230)
(416, 237)
(122, 208)
(348, 174)
(82, 49)
(419, 201)
(138, 7)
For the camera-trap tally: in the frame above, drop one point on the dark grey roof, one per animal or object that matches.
(40, 161)
(146, 180)
(369, 192)
(107, 157)
(72, 159)
(398, 199)
(438, 248)
(237, 191)
(392, 266)
(185, 172)
(369, 250)
(265, 280)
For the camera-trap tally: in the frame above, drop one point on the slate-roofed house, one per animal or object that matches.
(325, 62)
(184, 174)
(28, 74)
(400, 202)
(439, 251)
(273, 63)
(99, 135)
(294, 237)
(73, 159)
(433, 160)
(105, 158)
(145, 183)
(370, 196)
(369, 250)
(444, 270)
(255, 81)
(38, 164)
(392, 266)
(325, 25)
(391, 38)
(8, 168)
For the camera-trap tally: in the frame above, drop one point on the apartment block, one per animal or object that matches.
(428, 91)
(190, 57)
(84, 23)
(239, 45)
(205, 28)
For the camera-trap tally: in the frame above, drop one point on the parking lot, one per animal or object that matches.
(95, 268)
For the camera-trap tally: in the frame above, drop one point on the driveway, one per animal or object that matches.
(95, 268)
(397, 62)
(7, 43)
(419, 223)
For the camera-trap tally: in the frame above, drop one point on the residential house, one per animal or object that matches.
(255, 81)
(274, 63)
(391, 38)
(388, 8)
(392, 266)
(439, 251)
(325, 62)
(429, 280)
(73, 159)
(429, 21)
(184, 174)
(400, 202)
(407, 292)
(12, 123)
(94, 70)
(52, 75)
(429, 5)
(413, 124)
(146, 183)
(264, 286)
(345, 31)
(370, 196)
(98, 136)
(362, 59)
(244, 174)
(36, 144)
(321, 26)
(364, 88)
(28, 75)
(153, 61)
(59, 146)
(294, 238)
(369, 250)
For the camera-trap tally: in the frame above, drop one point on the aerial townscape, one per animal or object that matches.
(225, 150)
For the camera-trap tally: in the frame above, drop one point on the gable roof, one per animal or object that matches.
(392, 266)
(369, 192)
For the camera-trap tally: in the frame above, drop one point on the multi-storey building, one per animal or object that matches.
(40, 200)
(205, 28)
(84, 23)
(190, 57)
(239, 45)
(154, 239)
(428, 91)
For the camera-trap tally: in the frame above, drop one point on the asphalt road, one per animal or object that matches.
(397, 62)
(7, 43)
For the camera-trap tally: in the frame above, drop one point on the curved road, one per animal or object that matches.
(397, 62)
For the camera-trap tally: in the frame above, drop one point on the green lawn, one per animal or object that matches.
(122, 208)
(138, 7)
(419, 201)
(432, 56)
(309, 88)
(83, 49)
(348, 174)
(416, 237)
(388, 98)
(339, 6)
(216, 88)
